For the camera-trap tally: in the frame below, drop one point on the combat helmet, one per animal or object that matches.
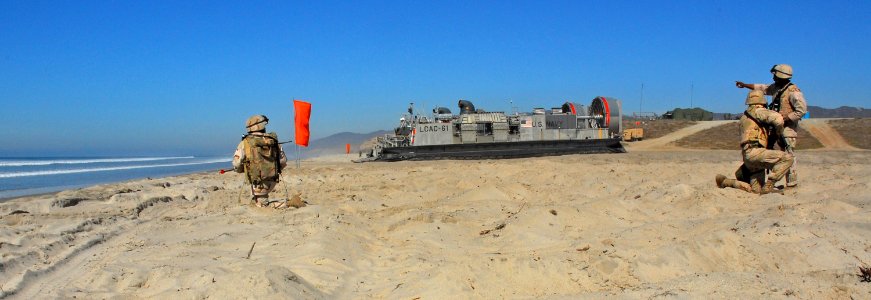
(782, 71)
(755, 97)
(256, 123)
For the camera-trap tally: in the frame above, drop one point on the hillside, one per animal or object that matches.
(855, 131)
(840, 112)
(727, 137)
(658, 128)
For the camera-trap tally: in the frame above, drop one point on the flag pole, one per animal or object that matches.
(294, 130)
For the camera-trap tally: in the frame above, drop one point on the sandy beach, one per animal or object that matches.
(649, 223)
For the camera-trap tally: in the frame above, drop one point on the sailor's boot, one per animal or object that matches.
(721, 181)
(791, 179)
(769, 188)
(259, 200)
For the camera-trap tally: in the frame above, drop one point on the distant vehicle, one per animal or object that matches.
(478, 134)
(633, 134)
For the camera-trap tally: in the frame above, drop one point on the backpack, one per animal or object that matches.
(262, 158)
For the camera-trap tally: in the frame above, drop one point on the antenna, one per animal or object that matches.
(298, 153)
(692, 87)
(642, 99)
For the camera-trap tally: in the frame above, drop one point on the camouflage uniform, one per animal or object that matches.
(259, 190)
(745, 179)
(754, 149)
(791, 105)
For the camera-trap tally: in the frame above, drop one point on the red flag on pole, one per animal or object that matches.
(303, 112)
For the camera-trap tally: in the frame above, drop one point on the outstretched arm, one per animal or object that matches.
(756, 86)
(741, 84)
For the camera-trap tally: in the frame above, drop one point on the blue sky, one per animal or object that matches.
(180, 77)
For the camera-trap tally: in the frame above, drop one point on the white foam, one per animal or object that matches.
(45, 162)
(87, 170)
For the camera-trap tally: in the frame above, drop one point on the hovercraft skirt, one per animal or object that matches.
(502, 150)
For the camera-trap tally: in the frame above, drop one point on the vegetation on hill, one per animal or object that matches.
(691, 114)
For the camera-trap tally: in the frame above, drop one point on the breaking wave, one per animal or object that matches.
(46, 162)
(87, 170)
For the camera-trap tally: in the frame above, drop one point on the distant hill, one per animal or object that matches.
(692, 114)
(726, 116)
(335, 144)
(840, 112)
(813, 111)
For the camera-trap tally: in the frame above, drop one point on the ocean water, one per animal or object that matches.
(35, 175)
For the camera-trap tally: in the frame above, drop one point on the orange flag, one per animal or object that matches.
(303, 112)
(347, 148)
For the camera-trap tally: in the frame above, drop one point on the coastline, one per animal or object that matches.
(20, 177)
(6, 195)
(56, 190)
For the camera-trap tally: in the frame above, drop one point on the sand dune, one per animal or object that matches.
(639, 225)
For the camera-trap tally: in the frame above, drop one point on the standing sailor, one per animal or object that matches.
(787, 100)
